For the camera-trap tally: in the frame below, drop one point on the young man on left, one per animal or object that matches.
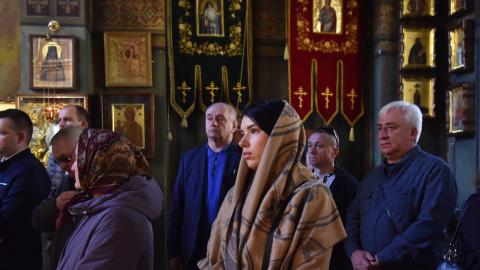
(24, 183)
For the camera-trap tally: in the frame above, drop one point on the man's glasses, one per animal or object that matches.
(63, 159)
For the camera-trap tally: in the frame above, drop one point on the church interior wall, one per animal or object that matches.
(9, 49)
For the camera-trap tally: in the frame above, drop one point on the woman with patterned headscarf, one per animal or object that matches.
(276, 216)
(116, 205)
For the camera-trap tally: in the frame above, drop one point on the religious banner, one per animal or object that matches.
(209, 53)
(324, 58)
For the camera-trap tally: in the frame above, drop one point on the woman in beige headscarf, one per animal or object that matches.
(276, 216)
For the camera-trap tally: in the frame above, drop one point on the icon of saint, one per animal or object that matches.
(460, 52)
(417, 7)
(130, 128)
(417, 98)
(328, 18)
(417, 55)
(130, 59)
(210, 20)
(51, 68)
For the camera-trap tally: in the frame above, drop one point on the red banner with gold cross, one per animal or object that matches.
(324, 58)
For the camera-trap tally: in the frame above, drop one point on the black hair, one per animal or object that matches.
(265, 113)
(20, 121)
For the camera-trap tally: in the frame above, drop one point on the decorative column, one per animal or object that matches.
(385, 81)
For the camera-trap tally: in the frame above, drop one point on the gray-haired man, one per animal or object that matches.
(402, 206)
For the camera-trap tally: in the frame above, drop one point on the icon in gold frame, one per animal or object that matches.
(460, 104)
(417, 8)
(128, 59)
(327, 16)
(419, 90)
(460, 47)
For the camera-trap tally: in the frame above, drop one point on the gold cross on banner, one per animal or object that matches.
(239, 88)
(352, 95)
(211, 89)
(300, 93)
(184, 88)
(327, 94)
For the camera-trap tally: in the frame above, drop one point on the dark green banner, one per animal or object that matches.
(209, 45)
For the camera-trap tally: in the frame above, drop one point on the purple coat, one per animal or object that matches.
(115, 230)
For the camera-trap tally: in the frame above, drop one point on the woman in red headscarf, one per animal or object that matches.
(116, 206)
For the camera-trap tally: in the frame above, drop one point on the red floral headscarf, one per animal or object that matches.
(105, 158)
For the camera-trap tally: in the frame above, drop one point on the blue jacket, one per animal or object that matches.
(24, 183)
(401, 210)
(188, 231)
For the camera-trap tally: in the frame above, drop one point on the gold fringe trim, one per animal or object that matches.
(314, 76)
(286, 55)
(169, 132)
(224, 79)
(184, 122)
(198, 83)
(351, 135)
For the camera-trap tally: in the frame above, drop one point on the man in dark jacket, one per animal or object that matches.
(204, 176)
(402, 206)
(24, 183)
(44, 215)
(323, 147)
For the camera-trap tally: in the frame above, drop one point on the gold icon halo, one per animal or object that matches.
(50, 44)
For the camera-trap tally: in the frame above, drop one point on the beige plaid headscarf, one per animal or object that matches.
(310, 224)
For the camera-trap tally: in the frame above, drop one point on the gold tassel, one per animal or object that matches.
(169, 132)
(184, 122)
(314, 76)
(351, 136)
(224, 79)
(198, 78)
(198, 84)
(286, 55)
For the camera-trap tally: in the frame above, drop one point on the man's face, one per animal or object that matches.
(395, 136)
(68, 117)
(218, 125)
(321, 150)
(9, 138)
(64, 154)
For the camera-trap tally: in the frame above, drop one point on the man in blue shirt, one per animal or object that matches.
(205, 174)
(402, 207)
